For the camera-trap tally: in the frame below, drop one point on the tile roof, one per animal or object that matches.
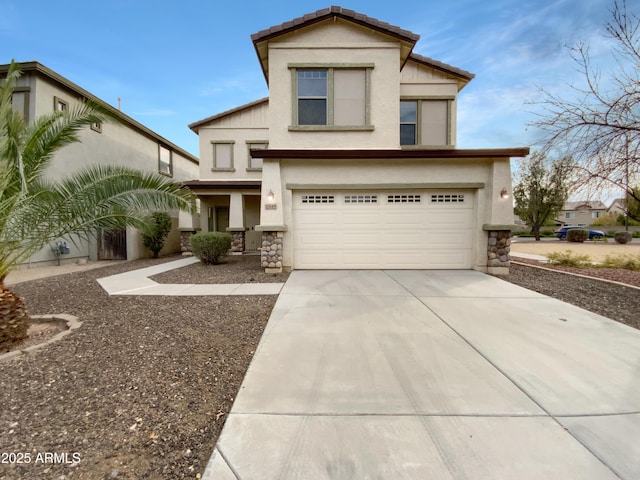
(334, 11)
(593, 204)
(430, 62)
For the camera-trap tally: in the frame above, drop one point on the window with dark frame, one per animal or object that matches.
(60, 105)
(408, 122)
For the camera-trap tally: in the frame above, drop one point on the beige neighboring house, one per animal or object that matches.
(617, 207)
(582, 213)
(351, 162)
(39, 91)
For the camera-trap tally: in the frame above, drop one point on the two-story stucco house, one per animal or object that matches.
(351, 162)
(581, 213)
(40, 90)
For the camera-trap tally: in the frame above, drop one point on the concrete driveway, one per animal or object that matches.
(433, 375)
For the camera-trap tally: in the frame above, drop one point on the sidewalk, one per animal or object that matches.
(137, 282)
(36, 273)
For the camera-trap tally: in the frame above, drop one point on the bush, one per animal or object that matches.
(154, 238)
(569, 259)
(628, 262)
(210, 247)
(577, 235)
(622, 237)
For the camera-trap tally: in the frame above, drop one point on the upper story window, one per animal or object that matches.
(20, 102)
(254, 163)
(425, 121)
(60, 105)
(223, 156)
(331, 98)
(165, 161)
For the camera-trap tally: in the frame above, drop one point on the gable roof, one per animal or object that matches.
(40, 69)
(196, 125)
(590, 204)
(463, 75)
(261, 39)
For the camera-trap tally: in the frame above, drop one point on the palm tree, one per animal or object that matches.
(35, 212)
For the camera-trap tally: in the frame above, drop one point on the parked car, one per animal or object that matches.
(561, 233)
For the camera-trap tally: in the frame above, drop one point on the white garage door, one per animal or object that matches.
(422, 229)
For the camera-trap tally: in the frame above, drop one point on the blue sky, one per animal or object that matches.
(173, 63)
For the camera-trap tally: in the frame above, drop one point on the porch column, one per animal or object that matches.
(236, 223)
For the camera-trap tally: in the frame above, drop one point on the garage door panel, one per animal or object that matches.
(400, 231)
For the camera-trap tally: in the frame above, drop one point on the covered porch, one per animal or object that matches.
(233, 207)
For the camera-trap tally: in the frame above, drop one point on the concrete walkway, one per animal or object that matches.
(137, 282)
(433, 375)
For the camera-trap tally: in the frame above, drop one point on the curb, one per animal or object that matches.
(72, 323)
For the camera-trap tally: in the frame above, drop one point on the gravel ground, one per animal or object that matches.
(617, 302)
(142, 389)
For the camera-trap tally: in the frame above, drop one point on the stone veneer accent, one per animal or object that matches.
(237, 242)
(271, 251)
(499, 248)
(185, 240)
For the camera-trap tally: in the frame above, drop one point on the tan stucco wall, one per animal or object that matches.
(327, 44)
(490, 209)
(117, 144)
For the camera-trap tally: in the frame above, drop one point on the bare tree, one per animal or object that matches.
(599, 124)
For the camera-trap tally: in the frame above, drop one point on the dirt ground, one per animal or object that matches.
(596, 250)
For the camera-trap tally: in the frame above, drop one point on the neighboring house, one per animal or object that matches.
(40, 90)
(352, 161)
(582, 213)
(617, 207)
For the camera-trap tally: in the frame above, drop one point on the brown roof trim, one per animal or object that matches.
(334, 11)
(194, 126)
(35, 66)
(222, 184)
(413, 153)
(438, 65)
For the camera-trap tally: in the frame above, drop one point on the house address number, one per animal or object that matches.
(271, 206)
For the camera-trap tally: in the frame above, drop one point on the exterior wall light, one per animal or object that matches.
(504, 193)
(271, 196)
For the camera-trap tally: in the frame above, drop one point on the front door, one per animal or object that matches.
(222, 219)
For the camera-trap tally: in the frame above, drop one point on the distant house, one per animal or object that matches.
(581, 213)
(617, 207)
(40, 90)
(351, 162)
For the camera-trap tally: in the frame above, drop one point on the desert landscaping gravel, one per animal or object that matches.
(143, 388)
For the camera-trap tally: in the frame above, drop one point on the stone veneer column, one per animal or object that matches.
(185, 240)
(498, 252)
(271, 251)
(237, 242)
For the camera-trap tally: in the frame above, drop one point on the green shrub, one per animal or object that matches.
(623, 237)
(569, 259)
(577, 235)
(210, 247)
(628, 262)
(159, 228)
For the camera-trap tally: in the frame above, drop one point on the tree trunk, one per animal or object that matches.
(14, 319)
(535, 229)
